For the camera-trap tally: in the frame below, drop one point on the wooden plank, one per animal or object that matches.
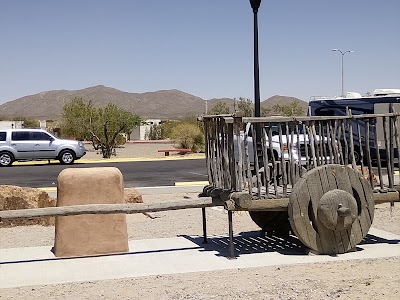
(256, 163)
(360, 141)
(388, 155)
(131, 208)
(240, 158)
(274, 165)
(266, 160)
(247, 163)
(351, 141)
(378, 157)
(282, 161)
(231, 159)
(338, 130)
(368, 151)
(397, 139)
(312, 118)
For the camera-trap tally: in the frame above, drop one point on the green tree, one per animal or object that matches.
(103, 126)
(292, 109)
(220, 108)
(265, 111)
(188, 135)
(245, 106)
(77, 118)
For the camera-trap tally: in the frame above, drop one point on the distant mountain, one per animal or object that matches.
(165, 104)
(284, 100)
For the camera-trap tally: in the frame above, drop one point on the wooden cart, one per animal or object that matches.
(315, 186)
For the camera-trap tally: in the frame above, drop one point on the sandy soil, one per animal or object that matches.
(361, 279)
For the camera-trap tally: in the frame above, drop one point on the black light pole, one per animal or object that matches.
(255, 4)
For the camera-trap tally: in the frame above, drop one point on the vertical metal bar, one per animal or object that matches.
(231, 244)
(203, 212)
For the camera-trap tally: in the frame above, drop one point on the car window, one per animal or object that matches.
(20, 136)
(41, 136)
(3, 135)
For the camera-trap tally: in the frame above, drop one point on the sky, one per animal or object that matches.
(201, 47)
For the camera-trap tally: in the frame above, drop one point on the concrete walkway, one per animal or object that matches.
(183, 254)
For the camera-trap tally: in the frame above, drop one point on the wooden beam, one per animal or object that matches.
(385, 197)
(106, 209)
(237, 202)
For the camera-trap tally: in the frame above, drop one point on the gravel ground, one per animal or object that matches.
(135, 150)
(360, 279)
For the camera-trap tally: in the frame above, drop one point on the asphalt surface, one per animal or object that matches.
(136, 173)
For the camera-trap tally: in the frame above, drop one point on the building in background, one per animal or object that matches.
(11, 124)
(140, 133)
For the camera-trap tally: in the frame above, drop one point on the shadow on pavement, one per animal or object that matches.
(251, 243)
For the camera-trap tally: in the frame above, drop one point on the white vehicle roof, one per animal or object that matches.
(384, 92)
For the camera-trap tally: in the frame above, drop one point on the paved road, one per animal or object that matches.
(136, 174)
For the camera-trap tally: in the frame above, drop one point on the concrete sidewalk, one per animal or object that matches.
(182, 254)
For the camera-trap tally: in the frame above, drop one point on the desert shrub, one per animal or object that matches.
(188, 135)
(156, 132)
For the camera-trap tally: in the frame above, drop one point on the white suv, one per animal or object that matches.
(298, 148)
(37, 144)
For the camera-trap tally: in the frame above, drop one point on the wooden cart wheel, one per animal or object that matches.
(331, 208)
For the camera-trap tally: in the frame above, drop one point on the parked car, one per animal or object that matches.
(37, 144)
(298, 145)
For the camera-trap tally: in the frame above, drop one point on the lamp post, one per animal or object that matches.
(342, 53)
(255, 5)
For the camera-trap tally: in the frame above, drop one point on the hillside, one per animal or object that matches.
(165, 104)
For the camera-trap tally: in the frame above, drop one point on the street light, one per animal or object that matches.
(255, 4)
(343, 53)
